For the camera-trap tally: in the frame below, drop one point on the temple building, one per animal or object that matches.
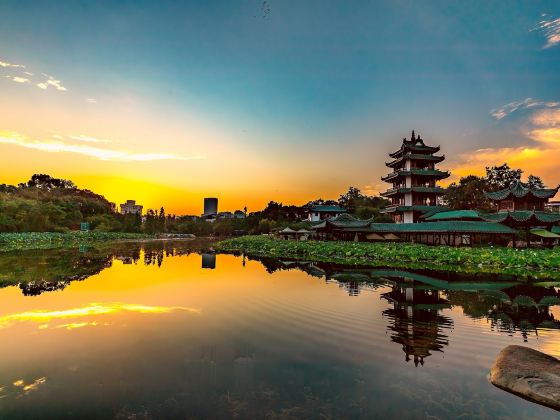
(414, 191)
(323, 212)
(523, 207)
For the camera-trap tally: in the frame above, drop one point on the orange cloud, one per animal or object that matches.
(540, 156)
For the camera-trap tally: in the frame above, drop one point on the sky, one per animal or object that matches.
(252, 101)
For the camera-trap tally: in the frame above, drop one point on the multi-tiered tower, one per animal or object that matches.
(414, 178)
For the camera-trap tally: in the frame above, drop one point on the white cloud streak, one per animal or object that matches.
(17, 139)
(551, 30)
(11, 65)
(17, 79)
(507, 109)
(25, 77)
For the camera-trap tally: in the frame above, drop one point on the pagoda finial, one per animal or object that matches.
(413, 137)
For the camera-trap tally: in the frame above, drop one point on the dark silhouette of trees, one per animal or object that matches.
(468, 194)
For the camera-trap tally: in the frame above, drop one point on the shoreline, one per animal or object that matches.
(525, 263)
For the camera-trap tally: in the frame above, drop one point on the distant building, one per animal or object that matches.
(239, 214)
(210, 206)
(553, 206)
(225, 215)
(322, 212)
(130, 207)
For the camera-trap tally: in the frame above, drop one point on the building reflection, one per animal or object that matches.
(208, 260)
(419, 299)
(415, 320)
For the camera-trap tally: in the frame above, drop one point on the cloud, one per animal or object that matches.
(25, 77)
(51, 81)
(91, 100)
(507, 109)
(539, 155)
(551, 30)
(11, 65)
(89, 139)
(17, 79)
(20, 140)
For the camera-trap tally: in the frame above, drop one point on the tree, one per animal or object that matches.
(468, 194)
(500, 177)
(535, 182)
(349, 199)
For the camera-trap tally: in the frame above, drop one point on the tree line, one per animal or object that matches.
(468, 192)
(48, 204)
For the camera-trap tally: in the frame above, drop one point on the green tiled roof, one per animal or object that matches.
(454, 215)
(522, 216)
(543, 233)
(351, 224)
(414, 147)
(520, 190)
(434, 173)
(555, 229)
(441, 227)
(423, 209)
(415, 156)
(344, 221)
(328, 209)
(395, 191)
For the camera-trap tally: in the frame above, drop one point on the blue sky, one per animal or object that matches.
(284, 79)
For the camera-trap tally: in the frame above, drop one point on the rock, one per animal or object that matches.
(528, 373)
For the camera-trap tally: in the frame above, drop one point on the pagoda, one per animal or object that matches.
(523, 206)
(414, 191)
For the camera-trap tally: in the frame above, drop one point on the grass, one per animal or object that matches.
(495, 260)
(48, 240)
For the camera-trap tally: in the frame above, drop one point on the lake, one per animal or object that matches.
(160, 330)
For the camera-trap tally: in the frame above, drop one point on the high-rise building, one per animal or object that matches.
(210, 206)
(130, 207)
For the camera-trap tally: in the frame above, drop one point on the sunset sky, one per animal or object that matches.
(253, 101)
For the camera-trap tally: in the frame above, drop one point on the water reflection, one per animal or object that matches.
(152, 333)
(209, 260)
(418, 299)
(36, 272)
(415, 321)
(45, 317)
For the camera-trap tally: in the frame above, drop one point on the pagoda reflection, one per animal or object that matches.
(415, 320)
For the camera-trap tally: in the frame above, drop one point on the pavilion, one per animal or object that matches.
(522, 207)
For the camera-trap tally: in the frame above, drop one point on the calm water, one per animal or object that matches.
(161, 332)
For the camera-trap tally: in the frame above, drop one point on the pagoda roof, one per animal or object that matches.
(521, 190)
(420, 208)
(322, 208)
(523, 216)
(415, 156)
(430, 173)
(416, 145)
(404, 190)
(343, 221)
(454, 215)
